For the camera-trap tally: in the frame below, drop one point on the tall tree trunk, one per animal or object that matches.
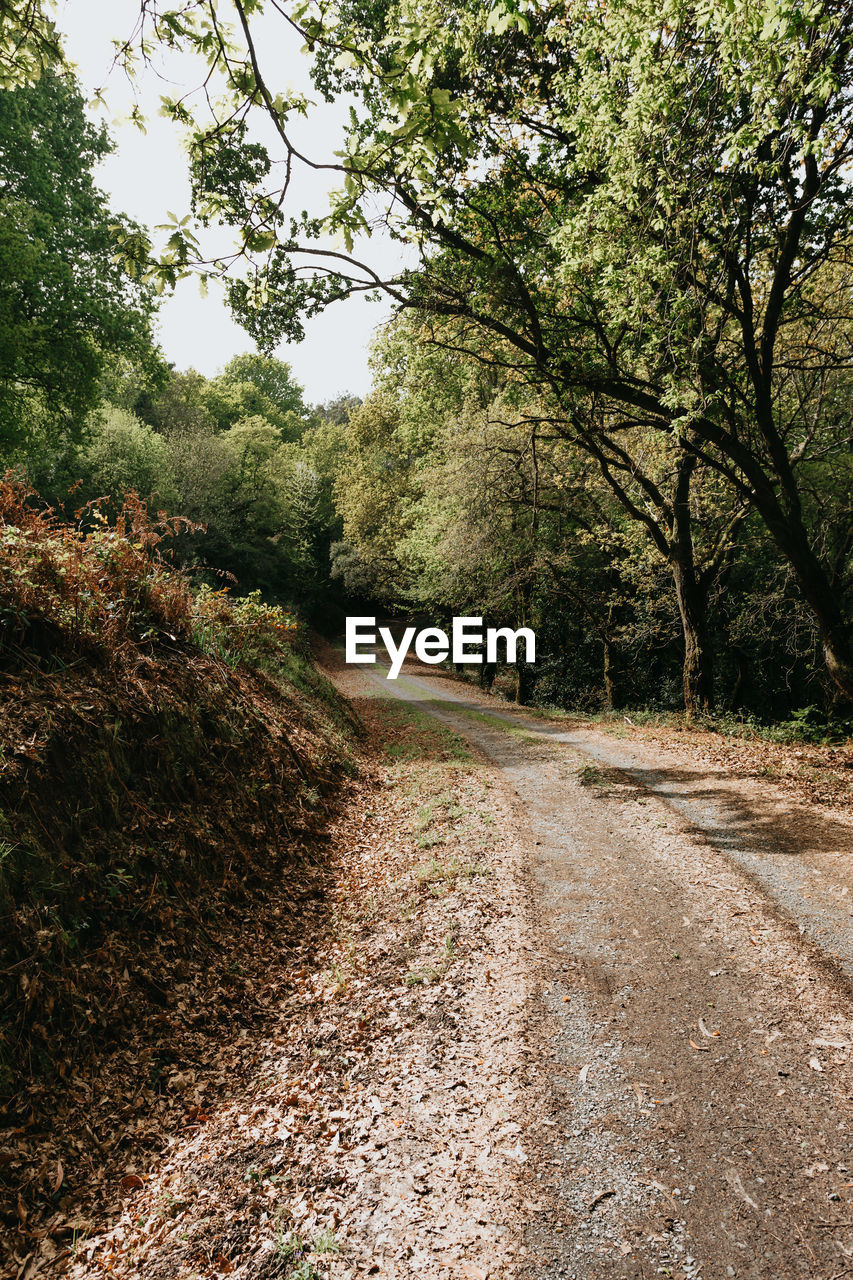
(525, 680)
(792, 540)
(525, 673)
(784, 518)
(612, 696)
(610, 701)
(698, 669)
(488, 671)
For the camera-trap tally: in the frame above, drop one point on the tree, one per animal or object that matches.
(123, 453)
(271, 378)
(65, 302)
(255, 474)
(373, 488)
(457, 498)
(626, 207)
(253, 386)
(181, 405)
(28, 42)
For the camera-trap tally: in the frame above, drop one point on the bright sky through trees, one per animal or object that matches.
(147, 176)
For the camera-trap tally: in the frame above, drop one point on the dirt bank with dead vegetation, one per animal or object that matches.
(167, 763)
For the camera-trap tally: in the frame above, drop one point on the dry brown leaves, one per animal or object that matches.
(347, 1099)
(816, 774)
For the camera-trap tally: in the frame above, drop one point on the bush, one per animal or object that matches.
(88, 586)
(240, 631)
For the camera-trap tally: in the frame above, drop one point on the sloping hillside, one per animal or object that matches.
(165, 760)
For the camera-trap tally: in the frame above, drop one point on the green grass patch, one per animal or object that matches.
(430, 839)
(448, 870)
(411, 734)
(589, 775)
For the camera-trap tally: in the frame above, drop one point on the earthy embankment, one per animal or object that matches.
(538, 1001)
(169, 764)
(162, 836)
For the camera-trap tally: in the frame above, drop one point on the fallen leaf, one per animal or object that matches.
(702, 1048)
(597, 1200)
(584, 1072)
(815, 1065)
(131, 1182)
(733, 1179)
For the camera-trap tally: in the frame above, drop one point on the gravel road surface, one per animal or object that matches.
(694, 1021)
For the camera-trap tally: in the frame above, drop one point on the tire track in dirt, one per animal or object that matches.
(693, 1048)
(803, 864)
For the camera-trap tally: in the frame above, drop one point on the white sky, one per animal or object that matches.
(146, 178)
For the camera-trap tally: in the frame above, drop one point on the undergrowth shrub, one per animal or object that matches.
(85, 584)
(89, 585)
(241, 630)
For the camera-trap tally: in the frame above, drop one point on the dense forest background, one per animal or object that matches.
(255, 907)
(644, 455)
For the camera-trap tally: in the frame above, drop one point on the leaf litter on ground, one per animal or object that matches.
(314, 1111)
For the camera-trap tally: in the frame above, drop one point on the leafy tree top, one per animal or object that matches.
(66, 299)
(628, 206)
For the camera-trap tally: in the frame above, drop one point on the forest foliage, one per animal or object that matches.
(614, 400)
(638, 214)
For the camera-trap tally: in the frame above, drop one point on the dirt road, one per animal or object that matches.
(542, 1002)
(694, 1021)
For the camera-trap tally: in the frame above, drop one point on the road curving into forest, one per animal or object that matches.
(694, 1022)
